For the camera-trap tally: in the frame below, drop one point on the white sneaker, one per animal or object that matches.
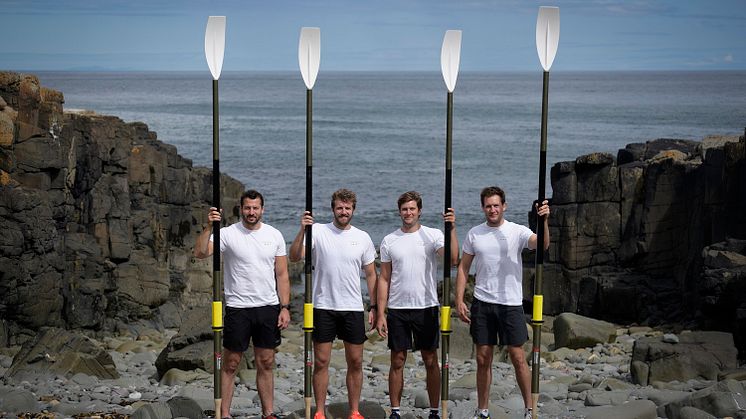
(478, 415)
(528, 414)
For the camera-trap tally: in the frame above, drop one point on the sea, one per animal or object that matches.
(383, 133)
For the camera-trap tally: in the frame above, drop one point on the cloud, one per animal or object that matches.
(728, 58)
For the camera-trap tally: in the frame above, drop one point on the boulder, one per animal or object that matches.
(184, 407)
(57, 351)
(697, 355)
(688, 412)
(17, 400)
(192, 347)
(606, 398)
(575, 331)
(724, 399)
(636, 409)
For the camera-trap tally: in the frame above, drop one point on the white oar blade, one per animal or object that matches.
(309, 50)
(547, 35)
(450, 57)
(215, 44)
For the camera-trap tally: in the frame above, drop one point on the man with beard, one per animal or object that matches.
(496, 314)
(339, 252)
(408, 286)
(257, 295)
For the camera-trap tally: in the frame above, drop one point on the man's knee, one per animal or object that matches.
(355, 363)
(398, 358)
(230, 361)
(264, 360)
(430, 358)
(517, 356)
(484, 355)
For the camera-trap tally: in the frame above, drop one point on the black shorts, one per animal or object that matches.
(422, 323)
(346, 325)
(258, 324)
(492, 321)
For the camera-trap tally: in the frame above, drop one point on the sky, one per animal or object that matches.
(371, 35)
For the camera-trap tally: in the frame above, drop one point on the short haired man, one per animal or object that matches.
(408, 286)
(340, 250)
(257, 294)
(497, 310)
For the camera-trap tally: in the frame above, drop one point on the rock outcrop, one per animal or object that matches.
(630, 235)
(98, 217)
(59, 352)
(694, 355)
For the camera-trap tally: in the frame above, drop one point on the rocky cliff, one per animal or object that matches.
(652, 235)
(98, 218)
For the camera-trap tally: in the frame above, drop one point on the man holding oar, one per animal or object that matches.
(257, 294)
(497, 310)
(408, 286)
(340, 251)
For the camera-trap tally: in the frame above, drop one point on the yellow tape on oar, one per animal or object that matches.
(217, 314)
(308, 316)
(445, 319)
(538, 307)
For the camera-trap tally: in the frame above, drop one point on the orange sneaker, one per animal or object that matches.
(356, 415)
(319, 415)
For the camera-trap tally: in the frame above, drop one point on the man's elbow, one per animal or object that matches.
(202, 255)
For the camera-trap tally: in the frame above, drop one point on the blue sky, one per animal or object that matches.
(371, 34)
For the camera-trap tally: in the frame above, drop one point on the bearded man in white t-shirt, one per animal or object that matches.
(408, 286)
(497, 310)
(257, 295)
(340, 251)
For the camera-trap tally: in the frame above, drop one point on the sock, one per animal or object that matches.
(435, 411)
(484, 412)
(395, 409)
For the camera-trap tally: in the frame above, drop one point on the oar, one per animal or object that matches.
(450, 55)
(547, 39)
(214, 49)
(308, 59)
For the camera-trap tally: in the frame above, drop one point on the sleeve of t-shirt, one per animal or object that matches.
(369, 256)
(438, 239)
(467, 247)
(526, 234)
(222, 239)
(281, 249)
(385, 257)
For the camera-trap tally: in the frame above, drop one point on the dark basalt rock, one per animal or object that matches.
(98, 217)
(630, 237)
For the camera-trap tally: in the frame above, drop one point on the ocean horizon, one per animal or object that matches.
(383, 133)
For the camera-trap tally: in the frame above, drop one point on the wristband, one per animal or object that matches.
(285, 306)
(373, 307)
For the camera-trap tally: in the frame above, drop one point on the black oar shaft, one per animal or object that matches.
(446, 305)
(308, 269)
(217, 301)
(538, 301)
(309, 189)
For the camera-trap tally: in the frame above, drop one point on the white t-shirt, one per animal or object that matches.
(497, 259)
(414, 266)
(338, 256)
(249, 263)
